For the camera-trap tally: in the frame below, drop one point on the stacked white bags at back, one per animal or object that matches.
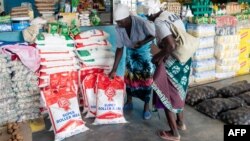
(57, 55)
(226, 48)
(84, 18)
(94, 50)
(59, 84)
(8, 111)
(24, 84)
(203, 65)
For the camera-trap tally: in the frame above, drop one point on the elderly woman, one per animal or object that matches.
(171, 77)
(136, 35)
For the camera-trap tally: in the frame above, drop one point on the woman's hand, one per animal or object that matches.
(159, 57)
(138, 44)
(112, 74)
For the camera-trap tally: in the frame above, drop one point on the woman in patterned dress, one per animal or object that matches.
(171, 77)
(136, 35)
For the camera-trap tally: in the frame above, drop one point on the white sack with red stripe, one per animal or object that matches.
(64, 112)
(110, 100)
(90, 35)
(89, 88)
(83, 73)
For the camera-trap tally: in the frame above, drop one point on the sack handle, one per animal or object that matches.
(172, 28)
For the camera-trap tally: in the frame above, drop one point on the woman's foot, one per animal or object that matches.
(181, 125)
(147, 115)
(128, 106)
(167, 135)
(146, 112)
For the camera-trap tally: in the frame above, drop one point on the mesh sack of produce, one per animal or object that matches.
(240, 116)
(234, 89)
(213, 107)
(24, 84)
(245, 97)
(199, 94)
(7, 96)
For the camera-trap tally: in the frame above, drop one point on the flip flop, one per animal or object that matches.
(167, 136)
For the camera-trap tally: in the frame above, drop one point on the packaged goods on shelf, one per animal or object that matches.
(244, 35)
(206, 42)
(45, 7)
(203, 30)
(204, 65)
(221, 54)
(244, 67)
(84, 18)
(228, 61)
(227, 40)
(233, 8)
(226, 47)
(5, 27)
(204, 53)
(224, 75)
(174, 7)
(204, 76)
(227, 68)
(244, 52)
(201, 20)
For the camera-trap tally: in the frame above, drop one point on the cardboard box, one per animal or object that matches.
(244, 52)
(245, 35)
(244, 67)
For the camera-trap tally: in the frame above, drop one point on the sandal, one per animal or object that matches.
(181, 127)
(167, 136)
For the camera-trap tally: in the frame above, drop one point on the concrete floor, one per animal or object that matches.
(200, 127)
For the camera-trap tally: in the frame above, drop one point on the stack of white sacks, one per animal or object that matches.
(203, 66)
(84, 18)
(57, 55)
(8, 112)
(94, 50)
(226, 47)
(58, 81)
(24, 84)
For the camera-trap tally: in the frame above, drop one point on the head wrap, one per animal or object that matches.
(121, 12)
(151, 7)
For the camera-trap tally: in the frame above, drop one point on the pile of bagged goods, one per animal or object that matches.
(20, 18)
(7, 96)
(45, 7)
(230, 104)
